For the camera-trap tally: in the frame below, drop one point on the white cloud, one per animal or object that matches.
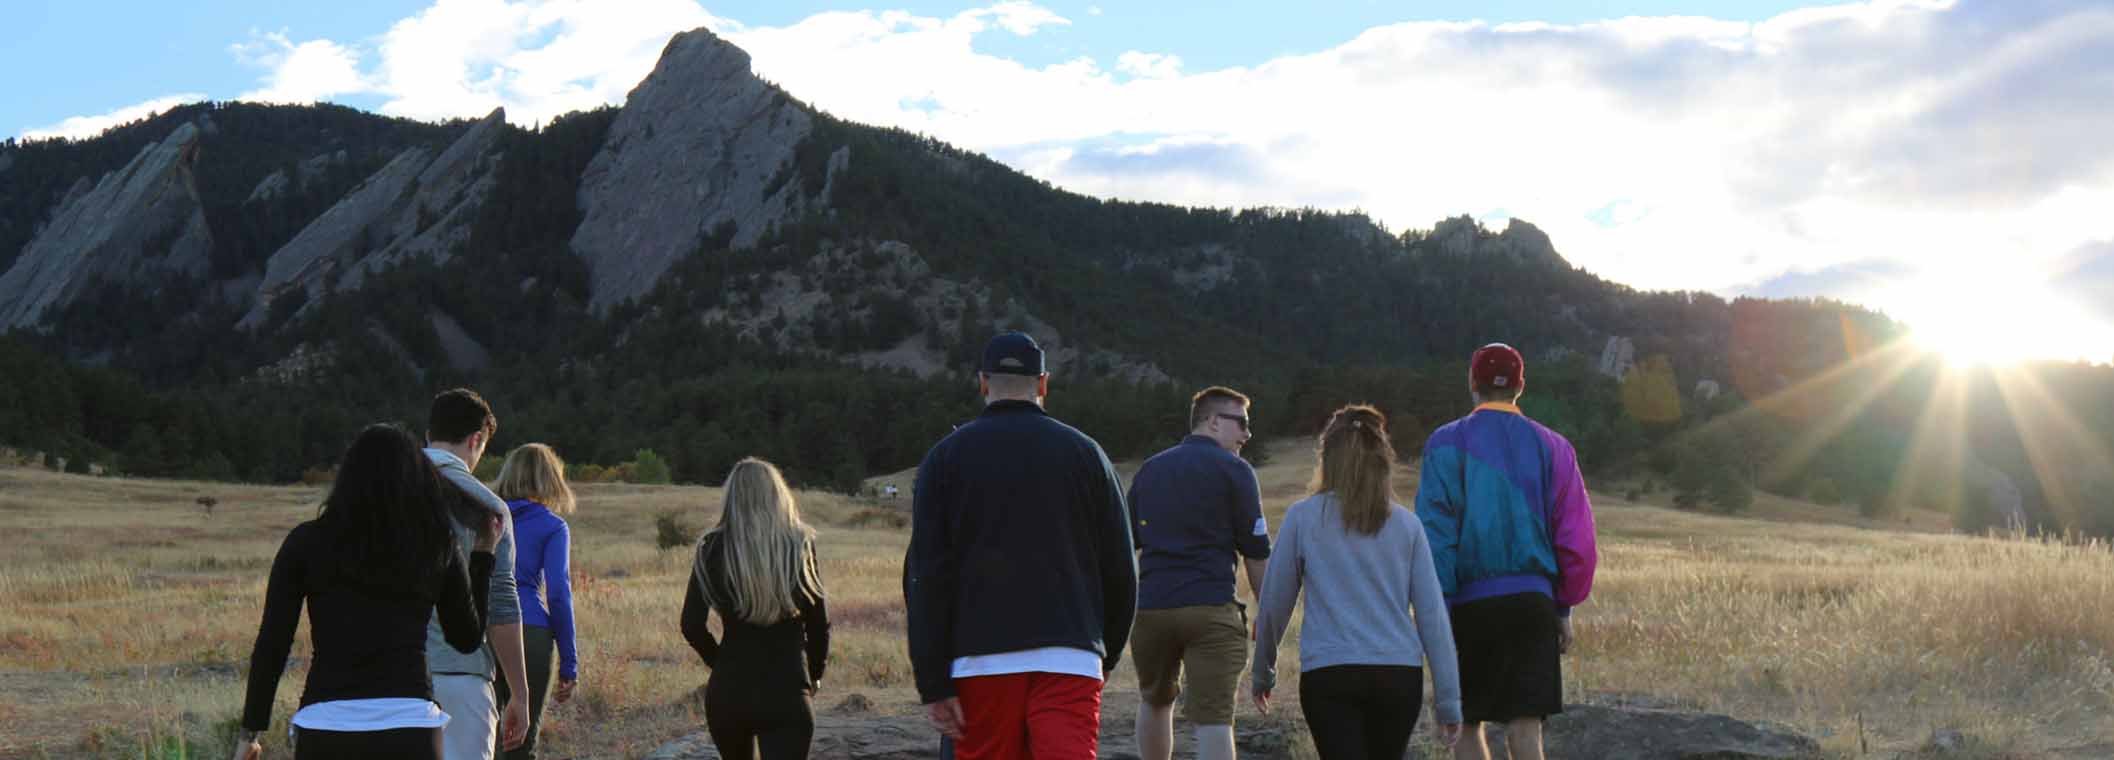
(1149, 65)
(1662, 152)
(83, 127)
(299, 73)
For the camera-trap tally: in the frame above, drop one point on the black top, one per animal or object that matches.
(1196, 505)
(788, 655)
(369, 642)
(1019, 539)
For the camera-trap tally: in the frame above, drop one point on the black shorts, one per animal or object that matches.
(1508, 656)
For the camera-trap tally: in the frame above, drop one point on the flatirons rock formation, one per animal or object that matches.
(132, 227)
(693, 153)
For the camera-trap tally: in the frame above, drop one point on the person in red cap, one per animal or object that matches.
(1511, 534)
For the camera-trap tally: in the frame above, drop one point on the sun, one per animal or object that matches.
(1994, 319)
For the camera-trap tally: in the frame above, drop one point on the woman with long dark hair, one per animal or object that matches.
(372, 568)
(757, 570)
(1376, 617)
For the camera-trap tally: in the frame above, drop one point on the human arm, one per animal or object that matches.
(1119, 563)
(465, 591)
(1251, 532)
(558, 589)
(504, 632)
(283, 595)
(1440, 505)
(1273, 613)
(696, 617)
(1435, 629)
(1571, 530)
(929, 587)
(814, 621)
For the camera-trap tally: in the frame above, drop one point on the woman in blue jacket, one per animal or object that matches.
(533, 483)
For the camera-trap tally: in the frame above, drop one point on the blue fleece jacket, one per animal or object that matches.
(545, 554)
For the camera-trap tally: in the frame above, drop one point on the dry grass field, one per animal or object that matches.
(128, 617)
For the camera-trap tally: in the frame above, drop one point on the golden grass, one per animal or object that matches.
(130, 616)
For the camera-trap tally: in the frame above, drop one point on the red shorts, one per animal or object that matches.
(1044, 716)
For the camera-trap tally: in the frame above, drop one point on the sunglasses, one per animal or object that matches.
(1237, 419)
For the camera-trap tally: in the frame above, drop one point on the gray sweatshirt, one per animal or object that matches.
(1360, 593)
(505, 606)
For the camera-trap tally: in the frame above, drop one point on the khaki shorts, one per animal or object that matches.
(1209, 642)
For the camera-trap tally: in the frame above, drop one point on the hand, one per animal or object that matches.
(1262, 701)
(946, 716)
(488, 534)
(514, 729)
(565, 690)
(1564, 637)
(1449, 733)
(248, 748)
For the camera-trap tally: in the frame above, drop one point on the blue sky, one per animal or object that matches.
(96, 57)
(1913, 155)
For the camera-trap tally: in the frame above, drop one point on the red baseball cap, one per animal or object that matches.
(1497, 366)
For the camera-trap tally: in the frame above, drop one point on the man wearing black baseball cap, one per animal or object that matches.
(1020, 580)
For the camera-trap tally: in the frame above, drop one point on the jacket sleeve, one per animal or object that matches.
(1571, 530)
(558, 587)
(1251, 533)
(1281, 582)
(1439, 507)
(696, 623)
(283, 595)
(929, 586)
(1435, 629)
(1119, 564)
(506, 600)
(463, 599)
(814, 621)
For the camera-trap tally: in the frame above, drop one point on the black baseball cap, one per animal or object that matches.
(1012, 353)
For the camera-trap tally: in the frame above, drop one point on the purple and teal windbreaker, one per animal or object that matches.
(1506, 510)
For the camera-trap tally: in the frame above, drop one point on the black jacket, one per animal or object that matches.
(785, 657)
(369, 640)
(1019, 539)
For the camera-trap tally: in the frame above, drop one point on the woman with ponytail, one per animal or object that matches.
(1376, 617)
(757, 570)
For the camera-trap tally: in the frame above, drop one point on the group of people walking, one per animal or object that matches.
(436, 605)
(1030, 569)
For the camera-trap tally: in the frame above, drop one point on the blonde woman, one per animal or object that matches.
(1376, 616)
(757, 570)
(533, 483)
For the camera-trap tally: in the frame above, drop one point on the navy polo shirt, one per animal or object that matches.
(1193, 507)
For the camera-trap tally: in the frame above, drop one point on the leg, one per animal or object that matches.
(791, 730)
(728, 719)
(536, 648)
(1523, 738)
(1216, 654)
(994, 711)
(1471, 745)
(1330, 700)
(1155, 730)
(1063, 717)
(473, 723)
(1156, 652)
(1396, 701)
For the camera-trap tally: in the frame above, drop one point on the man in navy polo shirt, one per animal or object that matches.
(1196, 507)
(1020, 582)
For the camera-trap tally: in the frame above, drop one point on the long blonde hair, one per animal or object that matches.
(1357, 465)
(533, 471)
(766, 551)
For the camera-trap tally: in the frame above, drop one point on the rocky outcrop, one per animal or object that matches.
(135, 226)
(693, 154)
(1637, 733)
(419, 205)
(1464, 236)
(1619, 358)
